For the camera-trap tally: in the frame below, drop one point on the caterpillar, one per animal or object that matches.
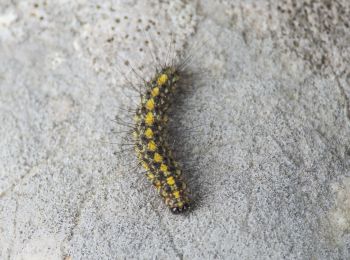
(149, 133)
(151, 140)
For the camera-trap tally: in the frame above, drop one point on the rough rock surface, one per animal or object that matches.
(264, 131)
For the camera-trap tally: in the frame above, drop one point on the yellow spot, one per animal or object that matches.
(150, 104)
(155, 92)
(176, 194)
(157, 157)
(152, 146)
(149, 133)
(180, 204)
(170, 180)
(162, 79)
(135, 134)
(157, 184)
(149, 120)
(163, 168)
(150, 176)
(145, 165)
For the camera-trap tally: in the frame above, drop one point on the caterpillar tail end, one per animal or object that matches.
(178, 210)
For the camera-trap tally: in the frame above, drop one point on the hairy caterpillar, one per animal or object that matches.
(150, 136)
(149, 129)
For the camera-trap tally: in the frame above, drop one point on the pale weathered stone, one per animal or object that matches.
(265, 139)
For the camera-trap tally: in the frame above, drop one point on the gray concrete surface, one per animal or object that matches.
(268, 162)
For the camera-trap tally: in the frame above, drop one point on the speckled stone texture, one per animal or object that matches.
(263, 131)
